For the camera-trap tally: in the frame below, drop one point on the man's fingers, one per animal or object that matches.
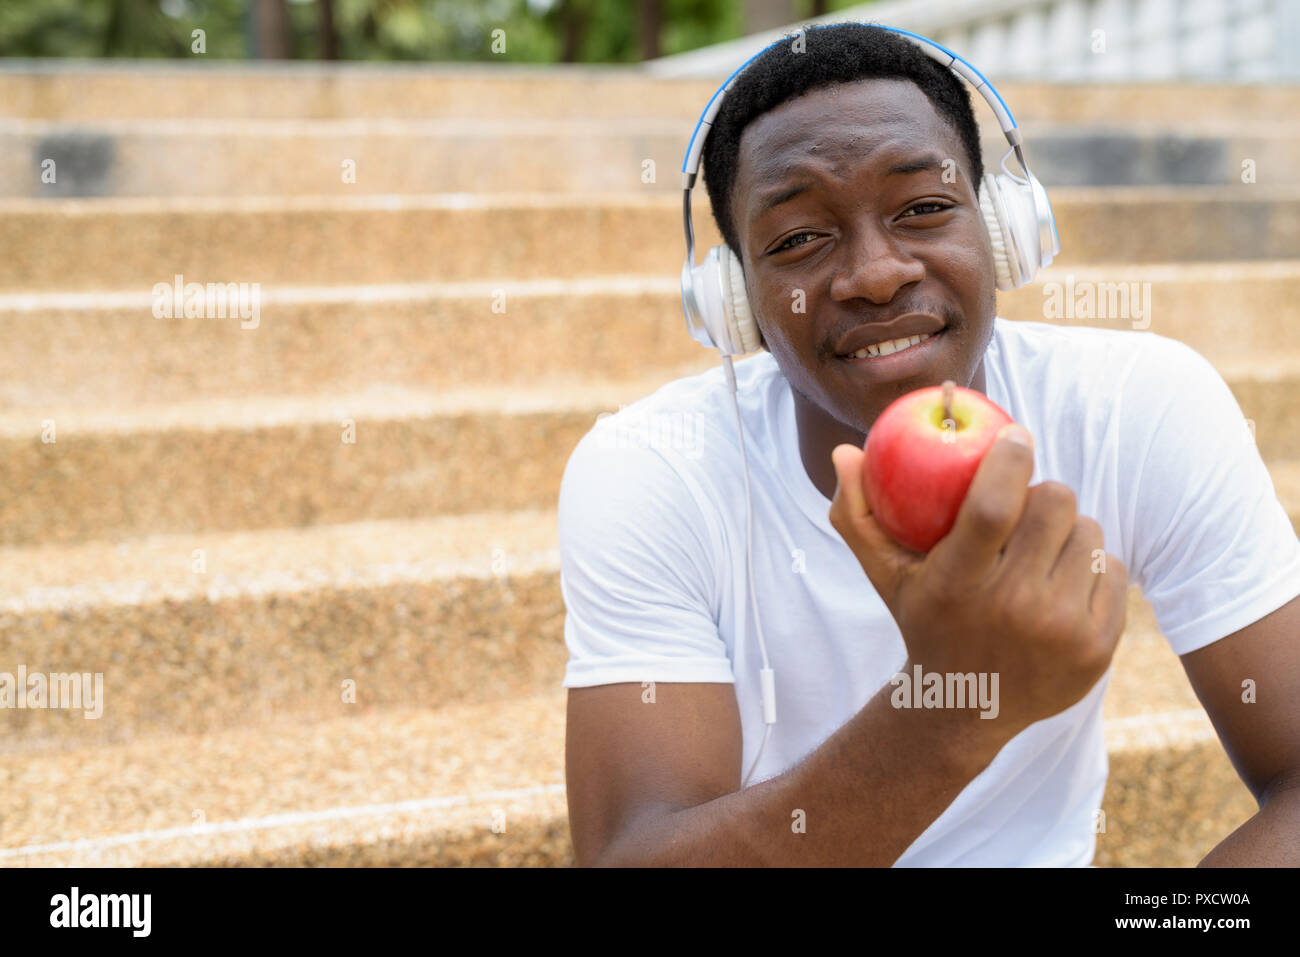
(1073, 576)
(992, 508)
(1110, 599)
(1045, 527)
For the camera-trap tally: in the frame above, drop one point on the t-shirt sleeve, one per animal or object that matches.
(639, 585)
(1213, 547)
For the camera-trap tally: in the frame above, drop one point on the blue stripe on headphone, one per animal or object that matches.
(717, 93)
(916, 36)
(956, 56)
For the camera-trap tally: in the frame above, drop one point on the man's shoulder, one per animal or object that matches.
(684, 418)
(675, 443)
(1083, 354)
(1051, 335)
(707, 388)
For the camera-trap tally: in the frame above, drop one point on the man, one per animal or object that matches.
(825, 172)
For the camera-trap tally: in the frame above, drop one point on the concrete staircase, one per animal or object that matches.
(323, 651)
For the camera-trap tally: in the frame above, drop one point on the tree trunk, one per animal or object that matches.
(650, 21)
(573, 15)
(329, 38)
(271, 22)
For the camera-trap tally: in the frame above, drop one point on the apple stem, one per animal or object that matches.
(948, 387)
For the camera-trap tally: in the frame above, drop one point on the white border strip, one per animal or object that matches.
(378, 292)
(287, 819)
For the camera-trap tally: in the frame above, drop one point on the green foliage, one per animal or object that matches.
(419, 30)
(690, 24)
(120, 28)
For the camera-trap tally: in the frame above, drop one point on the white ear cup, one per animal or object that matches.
(1021, 216)
(735, 304)
(716, 307)
(1006, 265)
(1021, 227)
(705, 305)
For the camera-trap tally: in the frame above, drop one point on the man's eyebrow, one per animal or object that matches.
(919, 165)
(785, 195)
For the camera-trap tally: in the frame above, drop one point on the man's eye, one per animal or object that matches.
(925, 209)
(791, 244)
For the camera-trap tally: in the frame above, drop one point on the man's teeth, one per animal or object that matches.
(893, 345)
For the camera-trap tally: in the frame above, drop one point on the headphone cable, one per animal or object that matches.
(767, 676)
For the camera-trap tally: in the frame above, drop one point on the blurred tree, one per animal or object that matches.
(652, 12)
(537, 31)
(121, 28)
(326, 35)
(573, 16)
(272, 39)
(135, 28)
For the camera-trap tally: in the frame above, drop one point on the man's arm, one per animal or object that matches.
(1262, 737)
(659, 784)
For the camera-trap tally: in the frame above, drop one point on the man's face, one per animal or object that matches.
(855, 202)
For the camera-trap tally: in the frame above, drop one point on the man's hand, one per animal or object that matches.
(1010, 590)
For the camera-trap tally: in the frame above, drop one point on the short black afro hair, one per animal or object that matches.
(840, 53)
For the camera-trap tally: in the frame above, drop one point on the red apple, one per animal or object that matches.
(922, 453)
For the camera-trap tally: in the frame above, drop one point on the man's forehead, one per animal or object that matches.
(850, 119)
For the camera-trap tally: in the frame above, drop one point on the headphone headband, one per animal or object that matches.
(937, 52)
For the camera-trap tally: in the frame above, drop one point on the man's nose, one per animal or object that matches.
(876, 265)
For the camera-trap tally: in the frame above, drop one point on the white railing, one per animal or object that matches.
(1084, 40)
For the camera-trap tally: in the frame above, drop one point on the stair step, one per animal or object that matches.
(228, 157)
(106, 349)
(93, 92)
(420, 613)
(1172, 793)
(404, 782)
(134, 244)
(269, 462)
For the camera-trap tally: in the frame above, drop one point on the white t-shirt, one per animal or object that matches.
(652, 542)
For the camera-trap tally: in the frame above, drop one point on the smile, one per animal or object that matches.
(889, 347)
(895, 359)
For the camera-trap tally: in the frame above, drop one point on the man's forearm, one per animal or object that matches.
(1271, 838)
(859, 800)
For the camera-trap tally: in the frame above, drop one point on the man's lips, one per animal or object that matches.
(902, 327)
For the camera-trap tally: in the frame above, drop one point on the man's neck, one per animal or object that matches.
(819, 434)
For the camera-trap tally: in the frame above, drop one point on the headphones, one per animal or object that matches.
(1016, 214)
